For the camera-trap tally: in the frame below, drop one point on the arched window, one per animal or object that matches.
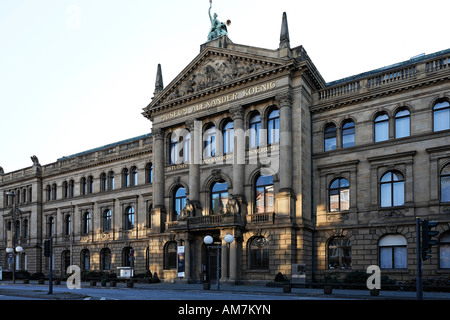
(393, 252)
(107, 218)
(25, 228)
(339, 253)
(258, 249)
(273, 127)
(330, 137)
(392, 189)
(67, 224)
(111, 180)
(103, 182)
(85, 259)
(149, 173)
(50, 226)
(129, 218)
(255, 130)
(338, 195)
(86, 222)
(65, 188)
(133, 179)
(170, 255)
(219, 197)
(445, 184)
(54, 194)
(125, 178)
(402, 123)
(49, 192)
(264, 194)
(444, 251)
(90, 185)
(83, 186)
(71, 188)
(348, 134)
(65, 257)
(441, 115)
(381, 127)
(179, 201)
(17, 230)
(210, 141)
(228, 137)
(173, 149)
(105, 259)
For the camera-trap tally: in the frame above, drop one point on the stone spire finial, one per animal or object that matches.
(284, 35)
(159, 81)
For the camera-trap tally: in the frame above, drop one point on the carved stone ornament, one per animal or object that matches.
(214, 71)
(158, 133)
(237, 112)
(391, 213)
(284, 99)
(216, 174)
(391, 229)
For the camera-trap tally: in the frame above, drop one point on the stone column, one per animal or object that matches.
(285, 104)
(224, 260)
(159, 209)
(238, 152)
(233, 260)
(187, 258)
(195, 129)
(285, 205)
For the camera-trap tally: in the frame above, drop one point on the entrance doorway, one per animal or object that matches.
(209, 261)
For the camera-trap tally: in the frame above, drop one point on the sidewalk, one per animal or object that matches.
(33, 290)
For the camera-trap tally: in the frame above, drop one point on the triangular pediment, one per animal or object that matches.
(212, 69)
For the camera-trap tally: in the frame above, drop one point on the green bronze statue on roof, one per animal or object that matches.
(218, 29)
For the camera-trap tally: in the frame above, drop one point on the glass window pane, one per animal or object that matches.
(445, 189)
(386, 177)
(386, 258)
(345, 202)
(330, 144)
(260, 199)
(344, 182)
(348, 134)
(264, 180)
(334, 202)
(220, 186)
(441, 119)
(348, 140)
(444, 259)
(402, 127)
(381, 131)
(334, 184)
(399, 194)
(270, 199)
(400, 257)
(386, 195)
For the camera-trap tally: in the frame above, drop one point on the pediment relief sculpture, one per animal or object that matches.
(214, 71)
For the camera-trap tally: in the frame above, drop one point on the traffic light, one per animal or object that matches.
(47, 248)
(427, 241)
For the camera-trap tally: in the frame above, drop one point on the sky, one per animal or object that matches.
(76, 74)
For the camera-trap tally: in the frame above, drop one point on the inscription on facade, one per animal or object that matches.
(219, 101)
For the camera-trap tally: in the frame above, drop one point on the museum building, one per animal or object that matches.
(304, 174)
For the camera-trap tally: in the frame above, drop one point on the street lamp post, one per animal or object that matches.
(208, 240)
(12, 251)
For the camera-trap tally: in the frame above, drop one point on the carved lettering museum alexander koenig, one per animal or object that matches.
(253, 143)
